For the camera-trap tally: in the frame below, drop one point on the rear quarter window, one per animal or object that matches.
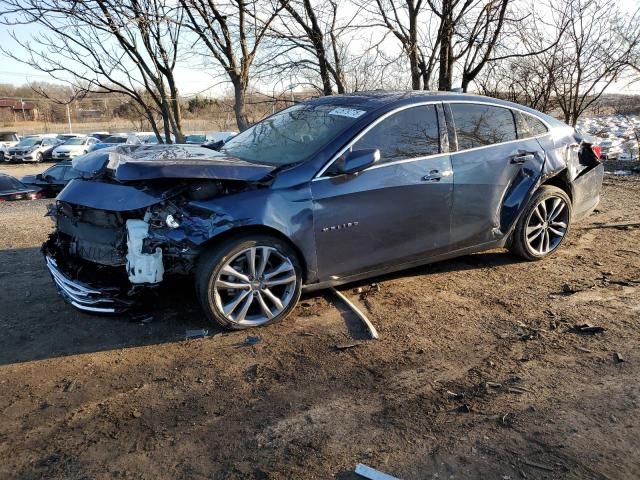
(529, 126)
(480, 125)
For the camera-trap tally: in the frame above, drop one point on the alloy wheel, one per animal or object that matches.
(547, 225)
(255, 286)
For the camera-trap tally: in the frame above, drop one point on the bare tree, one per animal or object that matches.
(593, 55)
(232, 33)
(111, 46)
(411, 23)
(313, 30)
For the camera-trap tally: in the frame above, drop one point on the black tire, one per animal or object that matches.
(214, 259)
(519, 245)
(39, 157)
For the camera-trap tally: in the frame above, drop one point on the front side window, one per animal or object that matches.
(292, 135)
(481, 125)
(409, 133)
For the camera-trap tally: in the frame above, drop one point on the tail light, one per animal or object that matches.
(35, 196)
(597, 151)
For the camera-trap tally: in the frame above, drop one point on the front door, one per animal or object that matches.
(393, 212)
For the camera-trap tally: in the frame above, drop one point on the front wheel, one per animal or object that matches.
(543, 225)
(39, 157)
(248, 281)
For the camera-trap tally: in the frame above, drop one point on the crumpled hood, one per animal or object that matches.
(147, 162)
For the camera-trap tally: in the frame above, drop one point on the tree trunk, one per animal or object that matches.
(239, 92)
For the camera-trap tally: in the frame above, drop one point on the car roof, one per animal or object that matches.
(375, 99)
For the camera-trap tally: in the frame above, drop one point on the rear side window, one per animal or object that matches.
(480, 125)
(409, 133)
(529, 126)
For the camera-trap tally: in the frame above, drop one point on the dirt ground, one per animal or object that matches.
(476, 374)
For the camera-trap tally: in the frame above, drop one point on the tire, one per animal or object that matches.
(39, 157)
(214, 284)
(537, 234)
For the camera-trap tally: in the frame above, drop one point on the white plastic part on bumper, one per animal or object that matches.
(142, 267)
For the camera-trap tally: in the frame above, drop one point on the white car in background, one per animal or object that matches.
(73, 147)
(209, 137)
(9, 139)
(30, 149)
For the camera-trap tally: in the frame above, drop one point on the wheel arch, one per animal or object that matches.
(561, 181)
(246, 230)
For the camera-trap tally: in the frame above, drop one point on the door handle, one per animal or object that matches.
(520, 159)
(433, 176)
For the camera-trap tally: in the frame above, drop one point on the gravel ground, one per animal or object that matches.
(477, 373)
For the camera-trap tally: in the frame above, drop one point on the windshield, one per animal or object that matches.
(114, 140)
(292, 135)
(75, 141)
(29, 142)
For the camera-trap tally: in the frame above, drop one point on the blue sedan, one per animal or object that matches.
(326, 192)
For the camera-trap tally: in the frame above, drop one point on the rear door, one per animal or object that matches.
(395, 211)
(494, 172)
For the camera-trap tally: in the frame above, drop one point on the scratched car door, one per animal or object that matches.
(393, 212)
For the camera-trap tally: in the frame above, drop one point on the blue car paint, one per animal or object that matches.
(379, 220)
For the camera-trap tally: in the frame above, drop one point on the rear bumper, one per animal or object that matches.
(586, 191)
(86, 297)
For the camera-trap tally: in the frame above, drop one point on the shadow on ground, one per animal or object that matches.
(37, 324)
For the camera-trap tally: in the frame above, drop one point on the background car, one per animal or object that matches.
(110, 141)
(32, 149)
(12, 189)
(67, 136)
(99, 135)
(210, 137)
(73, 147)
(9, 139)
(53, 179)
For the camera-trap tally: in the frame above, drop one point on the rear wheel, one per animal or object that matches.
(248, 281)
(544, 224)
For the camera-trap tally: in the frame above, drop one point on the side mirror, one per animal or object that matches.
(355, 161)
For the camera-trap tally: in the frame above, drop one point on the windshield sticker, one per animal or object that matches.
(347, 112)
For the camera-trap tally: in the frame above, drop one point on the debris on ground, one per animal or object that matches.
(587, 329)
(363, 318)
(252, 340)
(539, 466)
(143, 318)
(454, 395)
(346, 346)
(371, 473)
(582, 349)
(199, 333)
(464, 408)
(617, 357)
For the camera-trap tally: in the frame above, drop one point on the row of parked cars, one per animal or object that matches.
(617, 135)
(58, 147)
(62, 149)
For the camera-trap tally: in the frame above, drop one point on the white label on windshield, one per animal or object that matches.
(347, 112)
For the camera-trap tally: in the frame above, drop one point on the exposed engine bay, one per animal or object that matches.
(129, 251)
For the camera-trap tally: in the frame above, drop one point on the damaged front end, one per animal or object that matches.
(116, 241)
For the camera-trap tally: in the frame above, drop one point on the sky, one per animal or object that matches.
(192, 78)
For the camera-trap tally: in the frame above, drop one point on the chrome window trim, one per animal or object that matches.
(549, 127)
(319, 175)
(492, 104)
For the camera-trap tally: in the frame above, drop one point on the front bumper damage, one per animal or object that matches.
(85, 297)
